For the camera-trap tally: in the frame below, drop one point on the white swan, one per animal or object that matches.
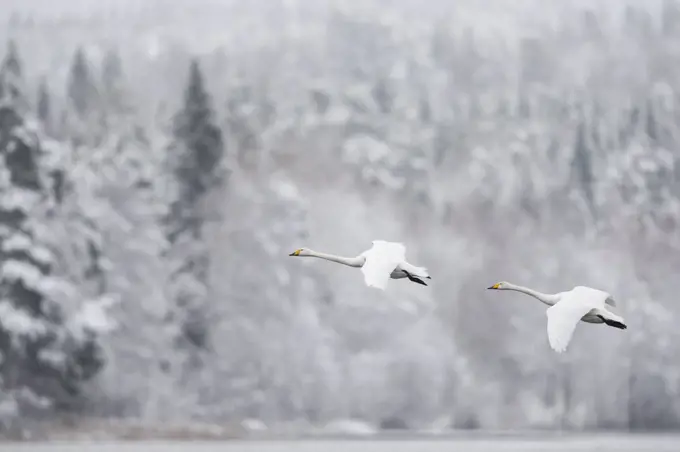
(567, 308)
(383, 261)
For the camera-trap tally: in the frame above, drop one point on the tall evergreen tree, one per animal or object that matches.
(241, 109)
(118, 199)
(651, 125)
(112, 82)
(197, 151)
(581, 166)
(82, 90)
(11, 84)
(382, 95)
(45, 351)
(44, 106)
(195, 131)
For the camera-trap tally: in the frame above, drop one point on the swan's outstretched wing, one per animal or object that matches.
(566, 313)
(381, 260)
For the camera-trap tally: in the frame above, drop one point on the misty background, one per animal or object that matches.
(162, 158)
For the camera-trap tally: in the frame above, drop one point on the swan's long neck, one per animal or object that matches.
(549, 299)
(350, 261)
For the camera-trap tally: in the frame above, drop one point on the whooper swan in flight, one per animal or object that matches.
(568, 308)
(383, 261)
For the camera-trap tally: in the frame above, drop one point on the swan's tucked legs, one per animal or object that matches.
(614, 323)
(415, 279)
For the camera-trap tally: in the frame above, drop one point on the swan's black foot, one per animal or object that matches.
(415, 279)
(614, 323)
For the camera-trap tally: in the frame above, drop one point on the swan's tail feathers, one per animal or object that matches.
(614, 322)
(423, 273)
(420, 272)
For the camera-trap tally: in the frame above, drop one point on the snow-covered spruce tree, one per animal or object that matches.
(115, 199)
(241, 121)
(82, 90)
(11, 80)
(119, 196)
(44, 107)
(48, 334)
(83, 117)
(195, 160)
(118, 184)
(113, 91)
(269, 375)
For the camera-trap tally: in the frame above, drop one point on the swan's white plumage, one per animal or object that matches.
(569, 308)
(384, 261)
(381, 260)
(568, 312)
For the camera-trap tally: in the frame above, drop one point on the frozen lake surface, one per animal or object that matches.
(565, 443)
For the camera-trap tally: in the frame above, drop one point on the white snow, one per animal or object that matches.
(55, 358)
(254, 425)
(19, 241)
(24, 271)
(94, 316)
(20, 199)
(19, 322)
(350, 427)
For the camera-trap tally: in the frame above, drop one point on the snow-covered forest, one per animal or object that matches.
(161, 159)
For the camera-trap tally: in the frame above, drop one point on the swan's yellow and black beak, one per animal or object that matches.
(495, 286)
(295, 253)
